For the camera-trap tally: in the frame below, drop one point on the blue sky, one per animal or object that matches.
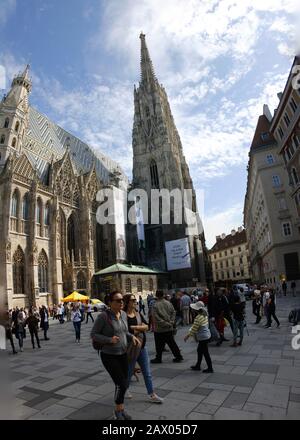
(219, 61)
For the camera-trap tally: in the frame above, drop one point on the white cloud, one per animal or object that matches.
(6, 9)
(218, 222)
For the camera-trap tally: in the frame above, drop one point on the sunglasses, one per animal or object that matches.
(133, 299)
(118, 300)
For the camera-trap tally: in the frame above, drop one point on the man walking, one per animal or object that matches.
(293, 287)
(164, 316)
(185, 303)
(89, 312)
(45, 321)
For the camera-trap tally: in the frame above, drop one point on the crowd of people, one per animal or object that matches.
(119, 332)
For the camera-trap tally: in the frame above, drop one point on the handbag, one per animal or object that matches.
(133, 351)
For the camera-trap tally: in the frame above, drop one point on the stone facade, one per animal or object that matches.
(50, 241)
(159, 163)
(269, 212)
(230, 258)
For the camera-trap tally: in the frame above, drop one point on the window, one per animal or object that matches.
(14, 211)
(25, 207)
(241, 260)
(293, 105)
(242, 272)
(233, 273)
(147, 112)
(292, 268)
(295, 176)
(282, 204)
(128, 285)
(39, 208)
(17, 126)
(139, 284)
(2, 139)
(296, 140)
(276, 181)
(239, 249)
(154, 175)
(280, 132)
(19, 272)
(220, 254)
(215, 256)
(227, 264)
(287, 119)
(287, 230)
(225, 253)
(43, 272)
(222, 275)
(231, 251)
(14, 142)
(270, 159)
(6, 123)
(151, 284)
(232, 262)
(228, 274)
(216, 265)
(221, 264)
(265, 136)
(81, 281)
(46, 220)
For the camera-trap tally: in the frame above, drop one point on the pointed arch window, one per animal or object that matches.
(19, 272)
(154, 175)
(25, 214)
(14, 142)
(72, 248)
(46, 220)
(128, 285)
(81, 281)
(43, 272)
(151, 284)
(17, 126)
(295, 176)
(39, 211)
(139, 285)
(2, 140)
(6, 123)
(14, 210)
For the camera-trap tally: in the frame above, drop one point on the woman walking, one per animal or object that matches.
(110, 331)
(271, 309)
(33, 325)
(201, 332)
(138, 327)
(76, 318)
(20, 328)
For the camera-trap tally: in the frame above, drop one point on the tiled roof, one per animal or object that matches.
(45, 141)
(262, 128)
(230, 241)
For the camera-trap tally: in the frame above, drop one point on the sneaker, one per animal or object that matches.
(126, 416)
(155, 399)
(208, 370)
(118, 415)
(180, 359)
(195, 368)
(128, 395)
(21, 349)
(155, 361)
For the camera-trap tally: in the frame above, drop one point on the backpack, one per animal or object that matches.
(96, 344)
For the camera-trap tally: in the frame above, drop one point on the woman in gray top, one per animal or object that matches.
(111, 331)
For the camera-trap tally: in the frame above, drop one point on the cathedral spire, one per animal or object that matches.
(22, 79)
(147, 71)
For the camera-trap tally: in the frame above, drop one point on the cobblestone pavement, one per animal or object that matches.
(260, 380)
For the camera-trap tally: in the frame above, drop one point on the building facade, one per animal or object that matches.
(269, 211)
(285, 128)
(230, 258)
(50, 242)
(159, 164)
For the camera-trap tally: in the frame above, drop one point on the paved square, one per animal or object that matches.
(260, 380)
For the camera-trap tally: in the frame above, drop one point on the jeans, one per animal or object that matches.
(34, 332)
(238, 326)
(45, 328)
(89, 314)
(77, 327)
(202, 350)
(186, 315)
(144, 363)
(166, 338)
(117, 367)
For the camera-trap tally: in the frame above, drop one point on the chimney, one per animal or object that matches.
(233, 232)
(240, 229)
(223, 236)
(279, 95)
(218, 237)
(267, 113)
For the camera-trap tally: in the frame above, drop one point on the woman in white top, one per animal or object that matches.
(76, 319)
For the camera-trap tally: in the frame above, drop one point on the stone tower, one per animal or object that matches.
(159, 163)
(14, 111)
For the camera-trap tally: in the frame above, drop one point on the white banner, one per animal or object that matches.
(178, 254)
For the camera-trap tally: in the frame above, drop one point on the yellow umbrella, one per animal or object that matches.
(96, 301)
(75, 296)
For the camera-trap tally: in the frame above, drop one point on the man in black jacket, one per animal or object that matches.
(45, 321)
